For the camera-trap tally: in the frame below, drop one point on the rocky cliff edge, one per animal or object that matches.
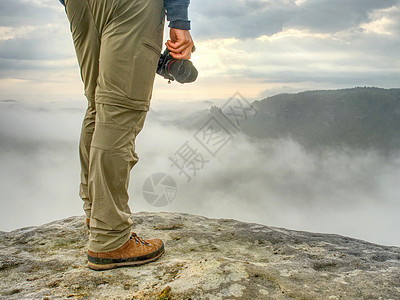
(204, 259)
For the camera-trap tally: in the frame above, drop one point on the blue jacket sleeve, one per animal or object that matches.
(177, 13)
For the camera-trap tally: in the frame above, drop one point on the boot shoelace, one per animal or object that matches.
(133, 236)
(139, 240)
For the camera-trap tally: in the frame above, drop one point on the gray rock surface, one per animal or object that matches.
(204, 259)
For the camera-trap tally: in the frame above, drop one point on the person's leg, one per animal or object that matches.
(84, 152)
(87, 47)
(131, 39)
(131, 42)
(112, 157)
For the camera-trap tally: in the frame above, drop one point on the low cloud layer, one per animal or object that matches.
(278, 183)
(273, 182)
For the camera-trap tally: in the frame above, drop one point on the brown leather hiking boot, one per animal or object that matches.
(134, 252)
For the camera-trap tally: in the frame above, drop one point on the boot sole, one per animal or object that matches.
(102, 267)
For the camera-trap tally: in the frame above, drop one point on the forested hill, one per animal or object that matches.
(367, 118)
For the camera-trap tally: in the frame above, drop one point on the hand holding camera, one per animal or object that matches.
(180, 43)
(174, 63)
(181, 70)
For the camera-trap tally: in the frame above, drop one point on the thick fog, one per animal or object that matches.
(272, 182)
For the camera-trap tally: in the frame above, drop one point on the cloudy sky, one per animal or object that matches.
(256, 47)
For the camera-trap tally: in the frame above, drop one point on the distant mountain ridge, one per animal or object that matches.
(362, 117)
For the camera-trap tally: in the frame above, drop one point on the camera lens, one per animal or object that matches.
(183, 71)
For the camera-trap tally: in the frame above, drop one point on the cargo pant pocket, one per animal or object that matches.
(143, 70)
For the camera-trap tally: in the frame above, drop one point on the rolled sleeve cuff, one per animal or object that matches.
(178, 16)
(180, 24)
(175, 12)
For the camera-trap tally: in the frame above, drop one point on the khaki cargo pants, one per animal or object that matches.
(118, 44)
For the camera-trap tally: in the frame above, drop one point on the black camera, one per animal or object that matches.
(181, 70)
